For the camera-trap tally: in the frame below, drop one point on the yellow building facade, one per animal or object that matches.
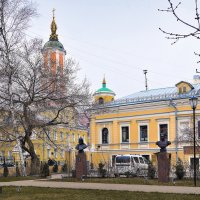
(133, 124)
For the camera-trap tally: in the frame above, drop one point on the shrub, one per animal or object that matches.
(101, 169)
(17, 170)
(128, 174)
(45, 170)
(151, 171)
(5, 170)
(55, 168)
(179, 169)
(64, 168)
(73, 173)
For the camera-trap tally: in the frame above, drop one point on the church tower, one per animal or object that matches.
(54, 52)
(104, 94)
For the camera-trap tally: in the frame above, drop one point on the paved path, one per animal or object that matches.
(102, 186)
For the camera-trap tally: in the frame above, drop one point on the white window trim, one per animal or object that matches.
(158, 126)
(123, 125)
(62, 153)
(73, 137)
(143, 124)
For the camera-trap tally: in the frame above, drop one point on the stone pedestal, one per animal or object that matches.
(163, 166)
(81, 165)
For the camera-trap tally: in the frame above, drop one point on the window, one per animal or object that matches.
(55, 135)
(48, 153)
(143, 133)
(67, 138)
(163, 130)
(101, 101)
(9, 154)
(73, 137)
(33, 135)
(48, 134)
(62, 153)
(180, 90)
(125, 133)
(141, 160)
(104, 136)
(61, 136)
(147, 157)
(55, 153)
(184, 129)
(136, 159)
(184, 89)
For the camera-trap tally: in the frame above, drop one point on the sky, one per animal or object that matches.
(120, 39)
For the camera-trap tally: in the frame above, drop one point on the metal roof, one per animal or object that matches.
(153, 95)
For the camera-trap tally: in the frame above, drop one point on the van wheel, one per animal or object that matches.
(138, 173)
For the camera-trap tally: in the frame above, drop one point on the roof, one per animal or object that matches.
(104, 89)
(54, 44)
(160, 94)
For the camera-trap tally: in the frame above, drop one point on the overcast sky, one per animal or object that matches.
(120, 38)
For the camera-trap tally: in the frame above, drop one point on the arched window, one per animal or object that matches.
(101, 101)
(104, 136)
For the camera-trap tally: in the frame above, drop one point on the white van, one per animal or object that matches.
(129, 164)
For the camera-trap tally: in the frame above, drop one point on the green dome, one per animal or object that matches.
(104, 89)
(54, 44)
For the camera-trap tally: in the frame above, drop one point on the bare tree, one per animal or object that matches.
(31, 96)
(194, 26)
(186, 136)
(14, 20)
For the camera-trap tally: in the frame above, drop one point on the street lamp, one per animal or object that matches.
(193, 102)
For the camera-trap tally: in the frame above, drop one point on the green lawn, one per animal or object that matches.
(135, 180)
(20, 178)
(33, 193)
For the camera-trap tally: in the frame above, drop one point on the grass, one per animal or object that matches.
(19, 178)
(135, 180)
(30, 193)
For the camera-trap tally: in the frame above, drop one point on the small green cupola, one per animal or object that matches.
(104, 94)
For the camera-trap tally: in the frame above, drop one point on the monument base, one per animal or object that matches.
(81, 165)
(163, 166)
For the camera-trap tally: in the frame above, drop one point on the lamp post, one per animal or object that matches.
(193, 102)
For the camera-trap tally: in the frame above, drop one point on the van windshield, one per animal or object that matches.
(123, 159)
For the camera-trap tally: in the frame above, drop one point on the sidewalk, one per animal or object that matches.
(102, 186)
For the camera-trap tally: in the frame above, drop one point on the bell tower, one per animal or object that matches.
(53, 51)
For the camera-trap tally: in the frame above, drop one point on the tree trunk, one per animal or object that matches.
(35, 165)
(35, 162)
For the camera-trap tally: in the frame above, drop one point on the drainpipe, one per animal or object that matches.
(171, 103)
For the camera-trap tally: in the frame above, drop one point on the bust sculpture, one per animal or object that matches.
(163, 143)
(81, 145)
